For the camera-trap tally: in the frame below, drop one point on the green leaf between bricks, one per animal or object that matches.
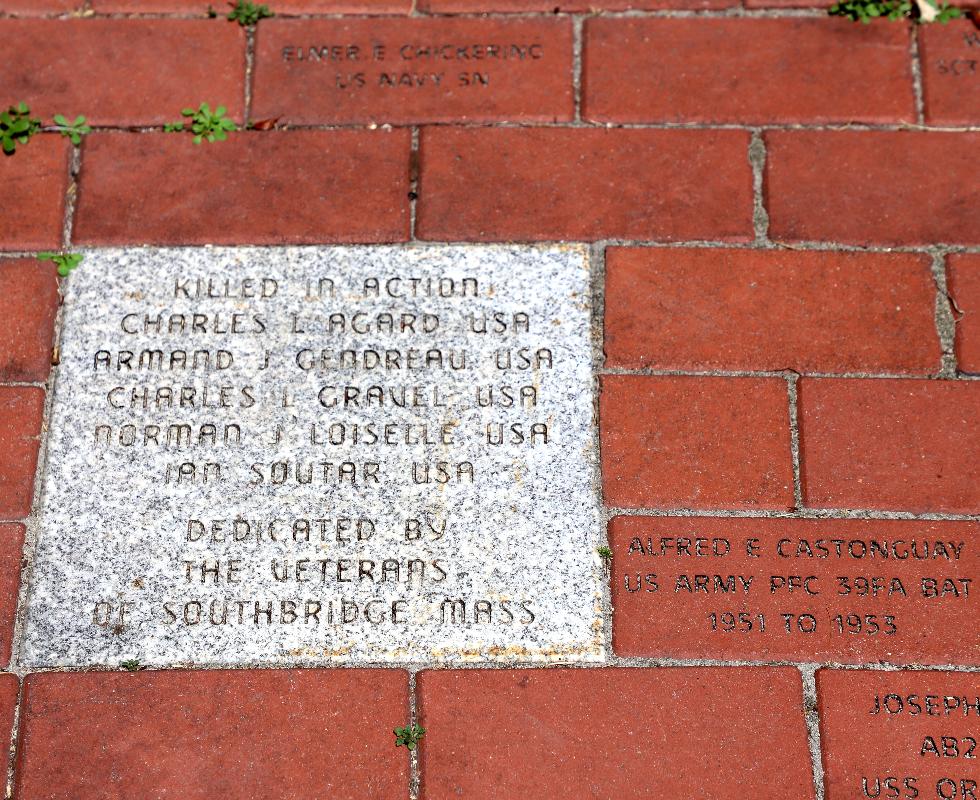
(17, 126)
(73, 130)
(205, 124)
(246, 13)
(65, 262)
(920, 10)
(409, 736)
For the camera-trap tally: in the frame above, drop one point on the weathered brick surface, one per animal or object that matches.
(21, 409)
(541, 184)
(125, 71)
(418, 70)
(873, 187)
(691, 442)
(11, 548)
(720, 733)
(899, 734)
(847, 591)
(770, 310)
(298, 734)
(518, 6)
(279, 7)
(28, 304)
(890, 444)
(28, 8)
(34, 182)
(9, 688)
(263, 188)
(963, 278)
(950, 56)
(745, 70)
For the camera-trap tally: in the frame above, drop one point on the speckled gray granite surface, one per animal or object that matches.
(283, 455)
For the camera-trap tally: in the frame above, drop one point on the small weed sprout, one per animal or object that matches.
(132, 665)
(73, 130)
(605, 552)
(409, 736)
(246, 13)
(65, 262)
(920, 10)
(17, 126)
(204, 124)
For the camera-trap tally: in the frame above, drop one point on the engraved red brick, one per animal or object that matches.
(28, 304)
(950, 56)
(301, 734)
(565, 183)
(555, 6)
(906, 445)
(873, 187)
(695, 442)
(11, 547)
(279, 7)
(963, 277)
(770, 310)
(903, 735)
(34, 182)
(417, 70)
(254, 188)
(848, 591)
(745, 70)
(125, 71)
(21, 408)
(561, 733)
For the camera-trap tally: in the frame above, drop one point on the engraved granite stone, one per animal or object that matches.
(306, 455)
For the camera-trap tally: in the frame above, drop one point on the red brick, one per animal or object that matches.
(546, 734)
(125, 71)
(692, 442)
(963, 278)
(745, 70)
(278, 7)
(898, 752)
(525, 6)
(9, 688)
(533, 88)
(21, 409)
(564, 183)
(11, 549)
(28, 304)
(297, 734)
(792, 567)
(770, 310)
(867, 187)
(26, 8)
(34, 181)
(950, 57)
(890, 444)
(254, 188)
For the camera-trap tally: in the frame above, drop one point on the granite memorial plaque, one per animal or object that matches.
(317, 454)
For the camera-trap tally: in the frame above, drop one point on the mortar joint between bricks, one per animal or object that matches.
(810, 715)
(249, 74)
(915, 65)
(415, 769)
(792, 379)
(757, 159)
(413, 182)
(578, 22)
(71, 196)
(945, 317)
